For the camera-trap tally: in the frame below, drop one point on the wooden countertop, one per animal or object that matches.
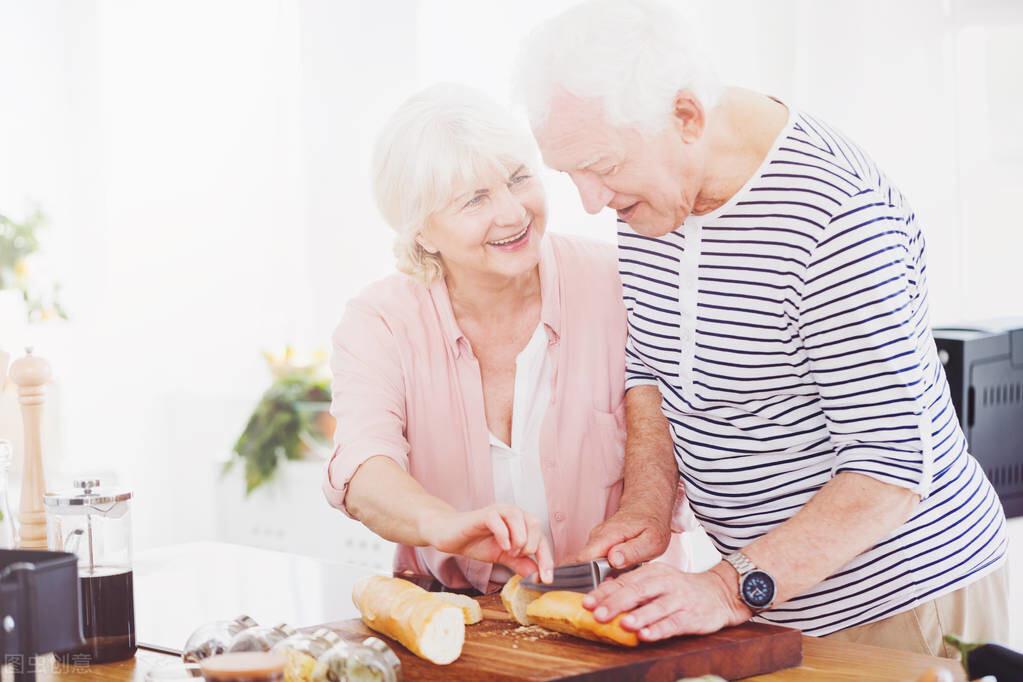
(822, 660)
(224, 580)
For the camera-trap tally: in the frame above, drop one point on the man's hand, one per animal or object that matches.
(664, 602)
(641, 527)
(626, 539)
(499, 534)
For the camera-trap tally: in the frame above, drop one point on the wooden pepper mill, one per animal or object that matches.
(31, 373)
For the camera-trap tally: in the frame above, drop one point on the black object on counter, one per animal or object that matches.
(981, 660)
(984, 366)
(39, 610)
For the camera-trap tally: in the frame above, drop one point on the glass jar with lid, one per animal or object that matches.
(302, 650)
(214, 638)
(370, 661)
(260, 638)
(94, 523)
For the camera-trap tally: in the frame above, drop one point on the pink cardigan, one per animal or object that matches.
(407, 386)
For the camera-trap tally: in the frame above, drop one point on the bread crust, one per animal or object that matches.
(471, 609)
(564, 612)
(429, 627)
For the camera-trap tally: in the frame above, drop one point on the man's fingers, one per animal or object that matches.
(641, 548)
(674, 624)
(653, 611)
(633, 592)
(601, 540)
(602, 592)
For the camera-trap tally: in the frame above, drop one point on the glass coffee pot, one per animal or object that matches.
(95, 524)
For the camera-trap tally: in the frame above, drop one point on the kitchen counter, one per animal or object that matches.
(822, 660)
(225, 580)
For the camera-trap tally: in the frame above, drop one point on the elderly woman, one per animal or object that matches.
(479, 392)
(776, 283)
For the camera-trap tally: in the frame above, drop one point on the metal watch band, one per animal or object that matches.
(744, 566)
(741, 563)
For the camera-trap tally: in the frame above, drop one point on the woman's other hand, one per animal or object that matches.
(500, 534)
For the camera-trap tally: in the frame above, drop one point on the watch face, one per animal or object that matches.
(758, 589)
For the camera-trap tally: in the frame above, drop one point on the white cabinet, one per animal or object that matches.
(290, 514)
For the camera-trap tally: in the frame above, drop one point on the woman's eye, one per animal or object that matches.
(475, 201)
(518, 179)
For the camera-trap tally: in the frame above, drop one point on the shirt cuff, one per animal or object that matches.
(341, 467)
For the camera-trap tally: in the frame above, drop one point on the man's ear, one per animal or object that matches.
(688, 115)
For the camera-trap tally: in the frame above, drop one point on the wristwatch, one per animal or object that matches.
(756, 587)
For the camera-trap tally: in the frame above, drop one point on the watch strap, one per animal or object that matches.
(741, 563)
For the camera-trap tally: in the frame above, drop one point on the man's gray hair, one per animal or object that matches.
(439, 143)
(631, 55)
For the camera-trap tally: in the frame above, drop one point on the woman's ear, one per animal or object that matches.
(426, 244)
(688, 116)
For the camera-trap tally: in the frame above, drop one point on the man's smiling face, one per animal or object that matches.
(651, 180)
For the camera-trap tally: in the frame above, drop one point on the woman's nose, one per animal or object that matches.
(592, 192)
(510, 210)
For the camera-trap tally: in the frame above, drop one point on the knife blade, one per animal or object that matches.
(581, 577)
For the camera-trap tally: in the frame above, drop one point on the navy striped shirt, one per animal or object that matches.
(788, 334)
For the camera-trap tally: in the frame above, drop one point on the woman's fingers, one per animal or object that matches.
(533, 535)
(545, 561)
(495, 523)
(518, 533)
(524, 566)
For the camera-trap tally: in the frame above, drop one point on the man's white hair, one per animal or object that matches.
(441, 142)
(632, 56)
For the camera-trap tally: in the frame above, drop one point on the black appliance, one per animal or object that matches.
(984, 366)
(39, 611)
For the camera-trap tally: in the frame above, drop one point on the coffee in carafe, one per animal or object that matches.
(95, 524)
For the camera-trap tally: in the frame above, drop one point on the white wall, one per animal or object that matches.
(205, 167)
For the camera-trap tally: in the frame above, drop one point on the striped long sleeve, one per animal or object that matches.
(864, 330)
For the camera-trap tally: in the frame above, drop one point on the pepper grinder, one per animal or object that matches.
(31, 373)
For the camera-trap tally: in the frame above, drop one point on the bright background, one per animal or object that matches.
(204, 164)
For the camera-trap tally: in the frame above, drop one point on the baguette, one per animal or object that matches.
(471, 610)
(564, 612)
(517, 598)
(429, 627)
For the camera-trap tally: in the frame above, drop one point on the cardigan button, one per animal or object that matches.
(558, 516)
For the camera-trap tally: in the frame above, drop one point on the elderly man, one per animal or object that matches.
(779, 354)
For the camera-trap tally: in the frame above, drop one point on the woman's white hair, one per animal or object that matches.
(631, 55)
(438, 144)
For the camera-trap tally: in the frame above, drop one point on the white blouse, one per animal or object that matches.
(518, 479)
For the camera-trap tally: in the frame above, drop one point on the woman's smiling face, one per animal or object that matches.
(493, 227)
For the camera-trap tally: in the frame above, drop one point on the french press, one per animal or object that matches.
(94, 523)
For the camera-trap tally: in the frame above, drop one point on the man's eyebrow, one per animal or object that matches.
(592, 161)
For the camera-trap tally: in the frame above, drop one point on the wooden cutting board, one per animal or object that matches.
(499, 650)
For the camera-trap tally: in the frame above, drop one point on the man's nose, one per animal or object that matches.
(592, 191)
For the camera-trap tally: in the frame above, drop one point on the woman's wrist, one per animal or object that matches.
(429, 519)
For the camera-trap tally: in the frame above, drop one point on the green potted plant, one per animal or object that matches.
(19, 241)
(291, 421)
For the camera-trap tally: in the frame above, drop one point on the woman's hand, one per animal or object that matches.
(500, 534)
